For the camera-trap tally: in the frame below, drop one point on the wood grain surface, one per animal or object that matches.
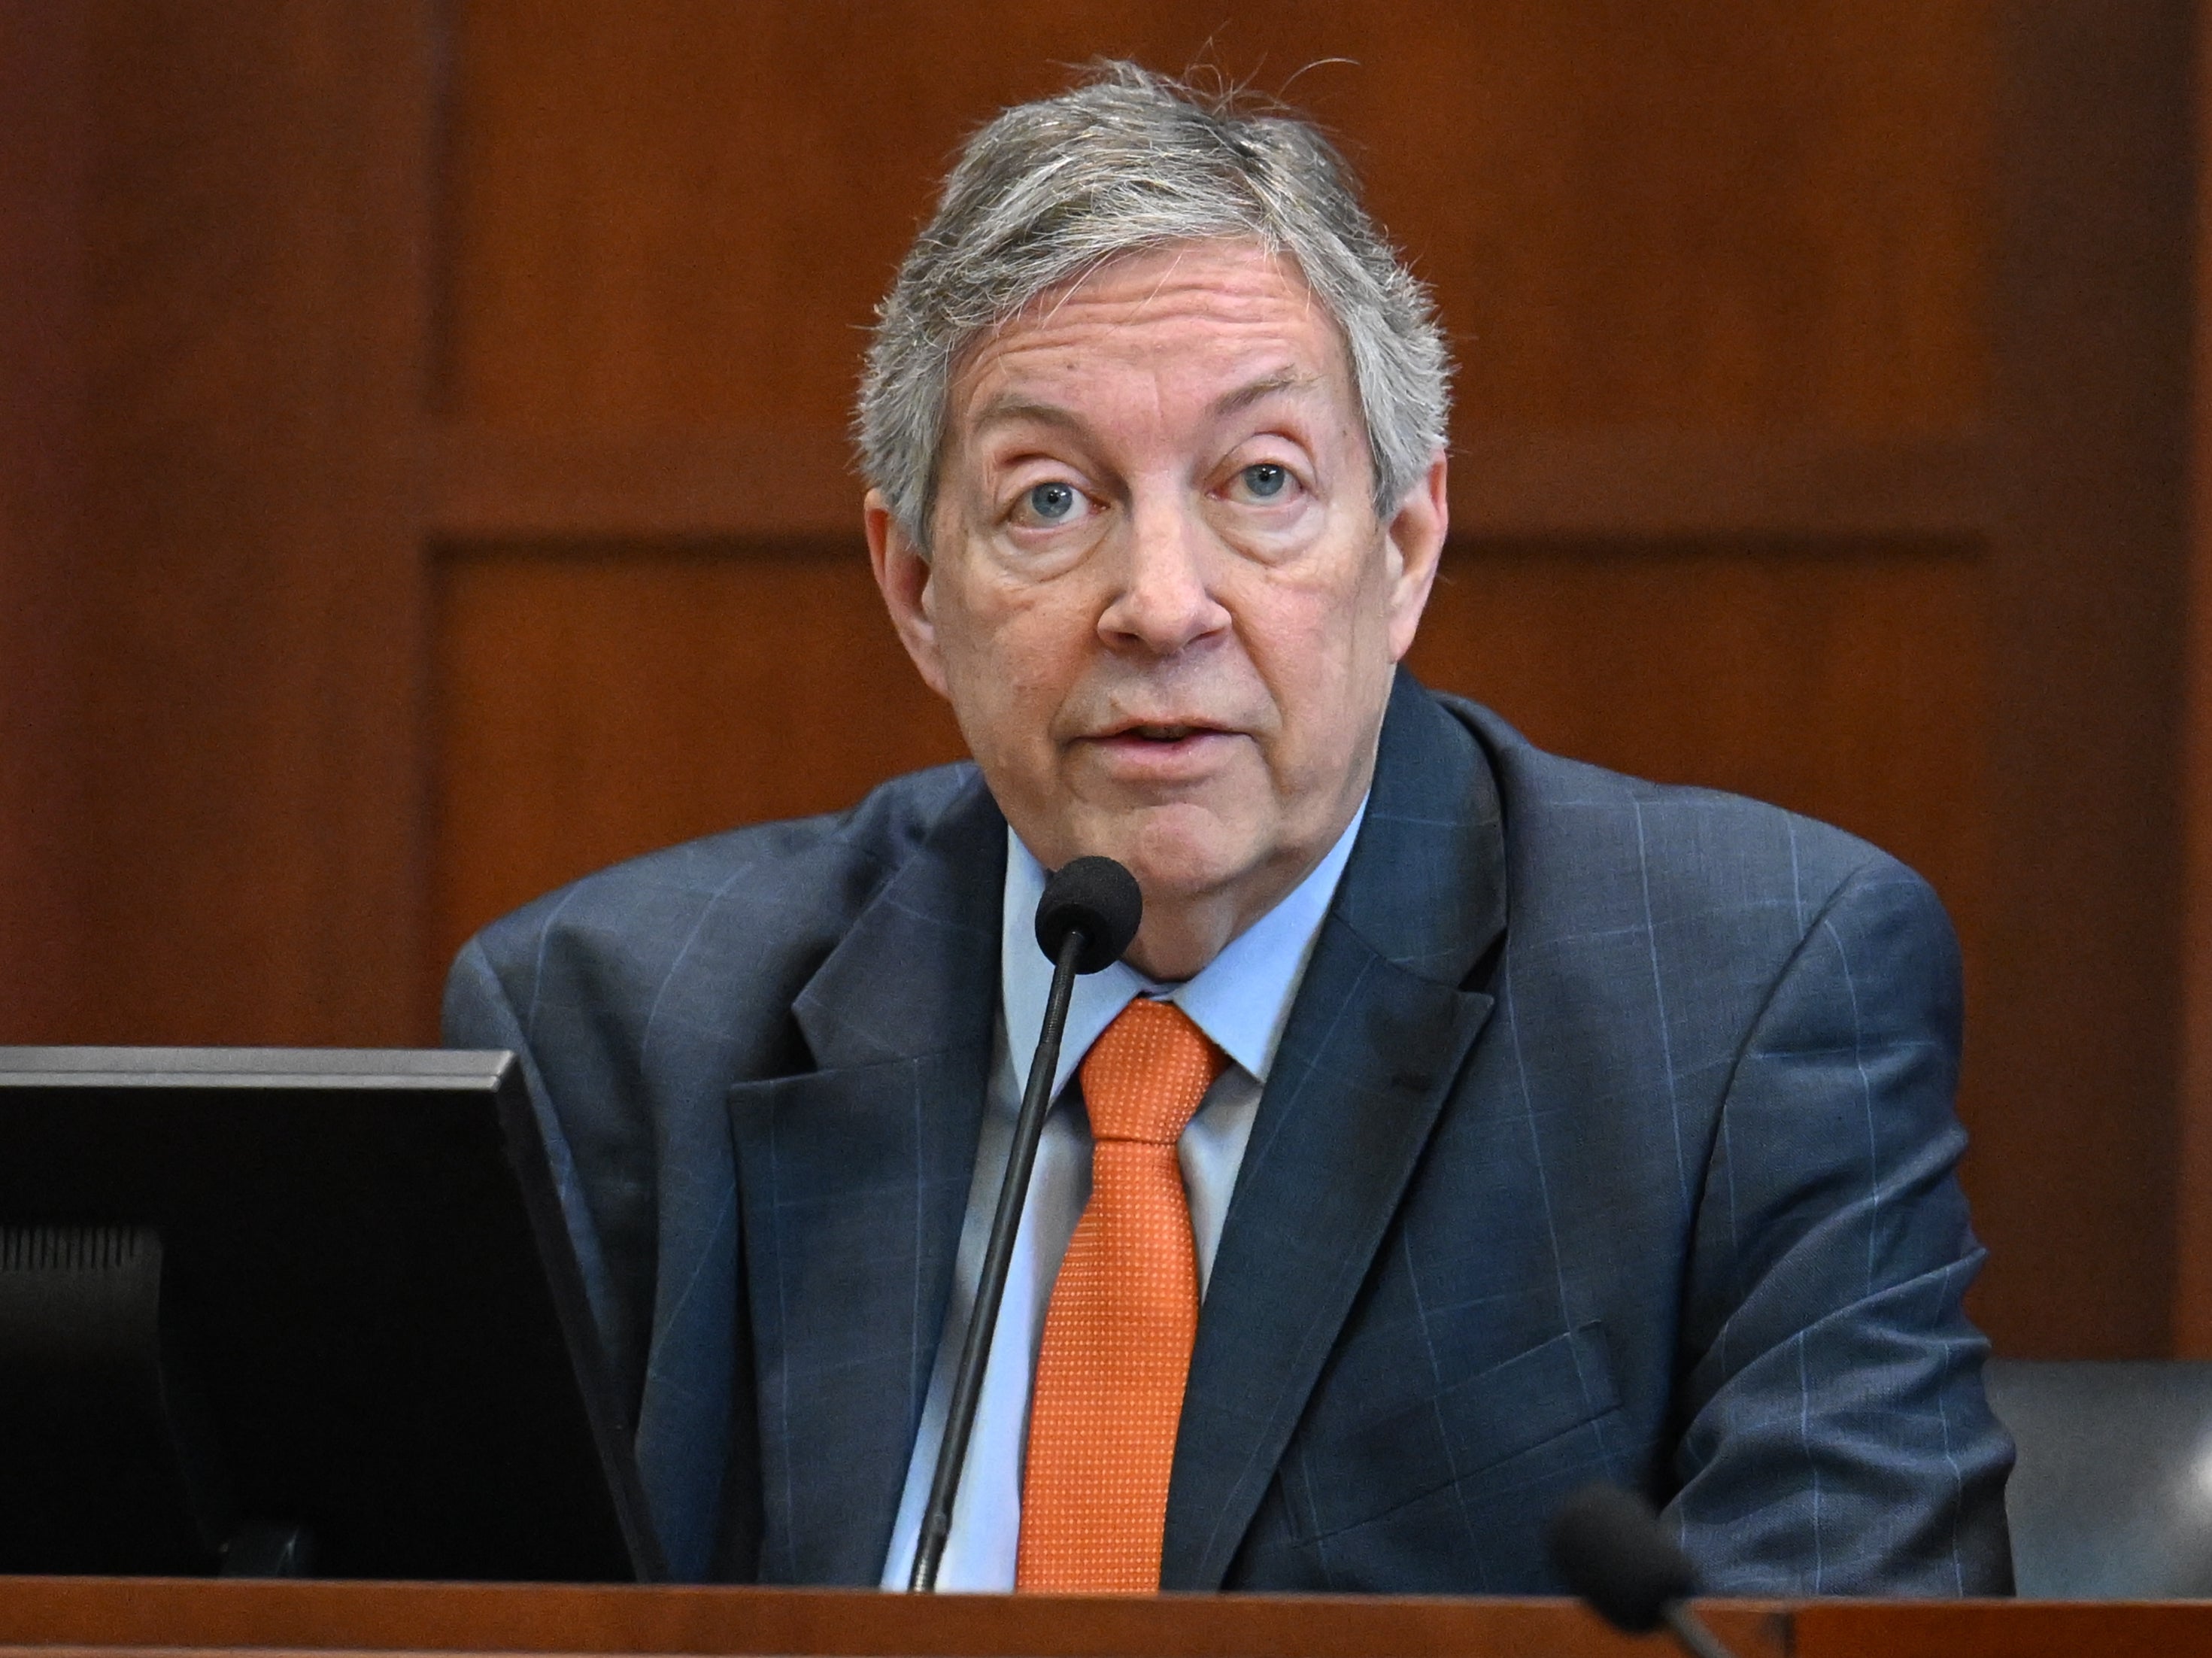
(2192, 1247)
(2078, 1030)
(250, 672)
(1693, 215)
(57, 1617)
(44, 175)
(44, 1613)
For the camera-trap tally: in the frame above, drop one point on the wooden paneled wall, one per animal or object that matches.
(42, 179)
(2089, 330)
(2192, 1249)
(1709, 282)
(212, 609)
(465, 500)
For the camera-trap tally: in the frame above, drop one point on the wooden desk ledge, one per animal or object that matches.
(150, 1618)
(62, 1617)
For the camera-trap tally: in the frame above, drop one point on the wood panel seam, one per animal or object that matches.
(493, 485)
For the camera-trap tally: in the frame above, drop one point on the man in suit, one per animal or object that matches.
(1536, 1125)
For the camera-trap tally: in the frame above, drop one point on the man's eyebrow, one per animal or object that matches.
(1008, 408)
(1283, 379)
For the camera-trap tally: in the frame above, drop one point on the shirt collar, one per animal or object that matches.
(1240, 999)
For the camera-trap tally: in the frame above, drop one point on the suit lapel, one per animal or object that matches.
(853, 1179)
(1379, 1032)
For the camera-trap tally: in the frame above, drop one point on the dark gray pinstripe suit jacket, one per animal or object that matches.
(1611, 1137)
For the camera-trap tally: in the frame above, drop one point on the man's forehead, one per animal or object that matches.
(1231, 325)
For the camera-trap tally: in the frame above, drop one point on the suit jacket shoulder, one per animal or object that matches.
(637, 996)
(1575, 828)
(642, 941)
(1689, 907)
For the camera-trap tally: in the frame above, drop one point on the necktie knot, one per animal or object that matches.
(1146, 1075)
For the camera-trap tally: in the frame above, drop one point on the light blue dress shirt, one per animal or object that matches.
(1242, 1000)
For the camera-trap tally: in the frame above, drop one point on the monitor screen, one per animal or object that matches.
(298, 1310)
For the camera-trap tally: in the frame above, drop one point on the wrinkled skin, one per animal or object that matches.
(1158, 596)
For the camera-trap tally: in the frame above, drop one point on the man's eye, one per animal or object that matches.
(1266, 480)
(1051, 503)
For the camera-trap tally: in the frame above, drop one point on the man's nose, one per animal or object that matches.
(1163, 602)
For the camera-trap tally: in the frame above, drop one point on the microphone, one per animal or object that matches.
(1088, 914)
(1606, 1544)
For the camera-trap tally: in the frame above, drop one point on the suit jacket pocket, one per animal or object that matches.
(1346, 1479)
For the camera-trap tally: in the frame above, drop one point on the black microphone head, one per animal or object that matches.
(1097, 896)
(1607, 1545)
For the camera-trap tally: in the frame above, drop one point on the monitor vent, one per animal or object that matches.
(74, 1249)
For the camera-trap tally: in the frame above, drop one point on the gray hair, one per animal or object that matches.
(1128, 162)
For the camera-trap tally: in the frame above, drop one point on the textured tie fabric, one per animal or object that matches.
(1123, 1315)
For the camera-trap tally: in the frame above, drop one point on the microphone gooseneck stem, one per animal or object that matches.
(1686, 1627)
(991, 1286)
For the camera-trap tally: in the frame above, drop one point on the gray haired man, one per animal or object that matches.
(1536, 1125)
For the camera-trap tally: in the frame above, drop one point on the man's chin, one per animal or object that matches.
(1180, 851)
(1178, 854)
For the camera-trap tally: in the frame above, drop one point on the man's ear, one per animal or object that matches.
(1416, 540)
(903, 575)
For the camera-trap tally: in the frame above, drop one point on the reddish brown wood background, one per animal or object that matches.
(422, 480)
(43, 158)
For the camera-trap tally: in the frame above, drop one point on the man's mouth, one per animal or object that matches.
(1163, 750)
(1164, 733)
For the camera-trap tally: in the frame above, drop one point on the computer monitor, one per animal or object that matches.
(298, 1311)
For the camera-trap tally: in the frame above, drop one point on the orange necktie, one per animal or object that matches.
(1123, 1315)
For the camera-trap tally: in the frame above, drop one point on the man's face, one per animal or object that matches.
(1160, 601)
